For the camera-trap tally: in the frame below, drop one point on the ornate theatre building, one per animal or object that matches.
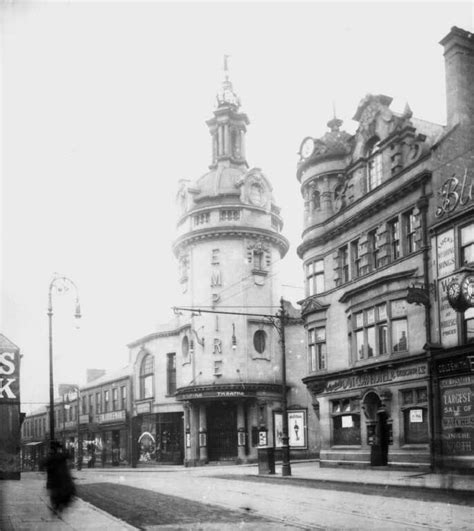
(208, 386)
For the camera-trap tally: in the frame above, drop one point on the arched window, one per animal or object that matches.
(259, 341)
(374, 164)
(316, 200)
(185, 346)
(146, 377)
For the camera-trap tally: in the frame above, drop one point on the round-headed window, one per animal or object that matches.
(259, 341)
(185, 346)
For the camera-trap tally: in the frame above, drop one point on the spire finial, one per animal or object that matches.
(226, 66)
(226, 94)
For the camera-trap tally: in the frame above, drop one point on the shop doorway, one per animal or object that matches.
(377, 429)
(221, 431)
(170, 438)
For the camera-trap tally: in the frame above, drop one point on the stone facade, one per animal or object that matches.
(386, 211)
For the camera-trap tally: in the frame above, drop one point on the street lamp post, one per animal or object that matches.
(60, 284)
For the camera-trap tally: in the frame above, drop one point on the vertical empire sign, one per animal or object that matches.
(9, 409)
(446, 263)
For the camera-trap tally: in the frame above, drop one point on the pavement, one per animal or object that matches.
(24, 504)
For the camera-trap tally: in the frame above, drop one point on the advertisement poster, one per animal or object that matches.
(457, 415)
(296, 429)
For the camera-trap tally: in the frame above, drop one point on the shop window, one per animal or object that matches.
(469, 325)
(346, 422)
(317, 348)
(374, 164)
(315, 277)
(376, 332)
(467, 244)
(415, 415)
(114, 399)
(171, 374)
(146, 377)
(259, 341)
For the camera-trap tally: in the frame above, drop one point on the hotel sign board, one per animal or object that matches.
(377, 377)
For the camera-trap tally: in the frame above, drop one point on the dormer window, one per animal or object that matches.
(374, 164)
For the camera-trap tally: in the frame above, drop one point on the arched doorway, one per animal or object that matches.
(377, 429)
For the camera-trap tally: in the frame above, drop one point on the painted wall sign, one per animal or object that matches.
(457, 415)
(111, 416)
(377, 377)
(143, 408)
(448, 319)
(215, 394)
(9, 377)
(454, 193)
(456, 366)
(446, 253)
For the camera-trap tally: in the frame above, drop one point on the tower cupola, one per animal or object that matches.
(228, 126)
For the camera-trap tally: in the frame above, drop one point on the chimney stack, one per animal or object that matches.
(459, 67)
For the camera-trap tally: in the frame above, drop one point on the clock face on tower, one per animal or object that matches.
(307, 147)
(467, 289)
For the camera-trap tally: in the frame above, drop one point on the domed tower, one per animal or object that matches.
(228, 248)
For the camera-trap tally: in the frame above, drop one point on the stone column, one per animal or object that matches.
(187, 434)
(240, 432)
(202, 434)
(194, 421)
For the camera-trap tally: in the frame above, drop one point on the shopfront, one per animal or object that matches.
(375, 416)
(158, 437)
(454, 402)
(112, 441)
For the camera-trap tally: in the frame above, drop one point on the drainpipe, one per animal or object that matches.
(422, 205)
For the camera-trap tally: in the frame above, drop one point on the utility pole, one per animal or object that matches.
(285, 467)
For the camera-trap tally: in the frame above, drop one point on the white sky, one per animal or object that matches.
(103, 111)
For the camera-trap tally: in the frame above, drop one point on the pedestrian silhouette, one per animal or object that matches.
(59, 480)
